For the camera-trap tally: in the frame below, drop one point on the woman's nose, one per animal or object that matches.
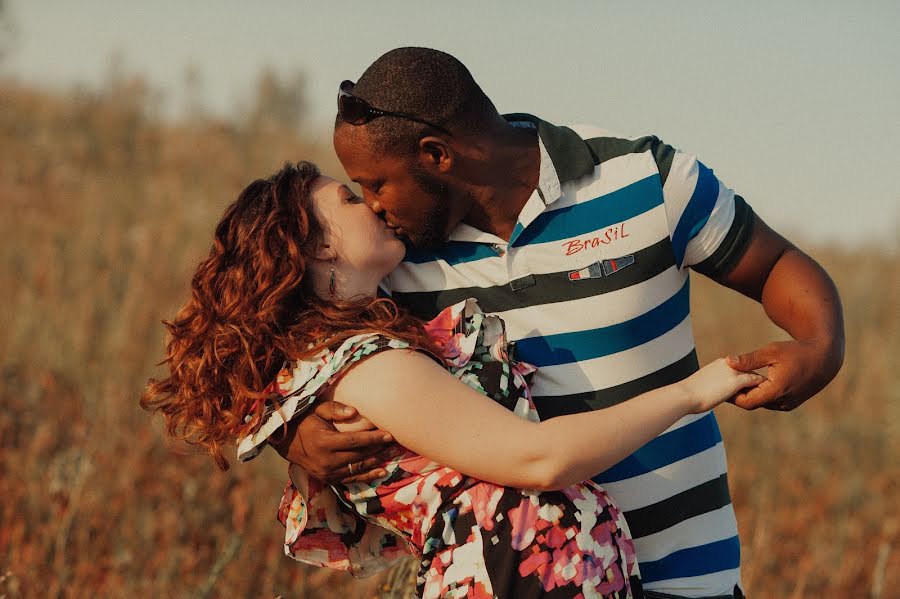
(375, 207)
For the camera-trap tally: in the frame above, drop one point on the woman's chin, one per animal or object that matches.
(399, 256)
(399, 243)
(392, 254)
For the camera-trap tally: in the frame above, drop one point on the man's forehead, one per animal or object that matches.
(354, 137)
(358, 152)
(350, 148)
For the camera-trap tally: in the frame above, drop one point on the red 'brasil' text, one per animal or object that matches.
(608, 236)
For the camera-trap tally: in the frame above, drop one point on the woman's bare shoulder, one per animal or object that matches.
(388, 372)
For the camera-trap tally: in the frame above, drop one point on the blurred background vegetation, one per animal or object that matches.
(105, 209)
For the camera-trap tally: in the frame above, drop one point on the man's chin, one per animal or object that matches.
(425, 242)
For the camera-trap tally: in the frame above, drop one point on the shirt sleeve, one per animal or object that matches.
(709, 225)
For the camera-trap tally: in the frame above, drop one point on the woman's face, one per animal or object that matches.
(361, 241)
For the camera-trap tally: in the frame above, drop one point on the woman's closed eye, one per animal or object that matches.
(351, 197)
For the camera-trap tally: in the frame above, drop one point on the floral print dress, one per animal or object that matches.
(473, 538)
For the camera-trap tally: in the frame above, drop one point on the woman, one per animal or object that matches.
(284, 312)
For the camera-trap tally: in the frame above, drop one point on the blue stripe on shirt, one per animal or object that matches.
(592, 215)
(565, 348)
(694, 561)
(697, 211)
(666, 449)
(517, 230)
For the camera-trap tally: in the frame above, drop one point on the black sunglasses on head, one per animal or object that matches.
(356, 111)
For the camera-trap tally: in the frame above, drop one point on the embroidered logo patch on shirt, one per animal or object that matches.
(601, 268)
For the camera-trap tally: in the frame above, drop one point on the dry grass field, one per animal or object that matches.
(104, 211)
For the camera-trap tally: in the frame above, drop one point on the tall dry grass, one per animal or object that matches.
(104, 211)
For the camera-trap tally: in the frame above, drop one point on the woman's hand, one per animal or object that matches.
(716, 383)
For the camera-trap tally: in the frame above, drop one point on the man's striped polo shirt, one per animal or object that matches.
(593, 286)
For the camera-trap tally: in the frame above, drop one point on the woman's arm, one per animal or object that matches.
(432, 413)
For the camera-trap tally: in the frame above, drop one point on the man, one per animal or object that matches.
(582, 241)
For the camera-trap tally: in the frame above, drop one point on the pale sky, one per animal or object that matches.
(795, 105)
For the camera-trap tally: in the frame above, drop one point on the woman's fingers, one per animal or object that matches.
(750, 379)
(755, 396)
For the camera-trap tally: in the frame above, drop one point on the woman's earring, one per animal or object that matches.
(331, 285)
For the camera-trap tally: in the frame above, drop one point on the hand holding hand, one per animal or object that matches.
(716, 383)
(797, 370)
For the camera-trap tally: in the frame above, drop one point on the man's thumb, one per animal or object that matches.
(334, 411)
(747, 362)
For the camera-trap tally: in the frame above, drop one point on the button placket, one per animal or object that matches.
(520, 276)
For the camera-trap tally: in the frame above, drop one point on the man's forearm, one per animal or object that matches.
(801, 298)
(796, 293)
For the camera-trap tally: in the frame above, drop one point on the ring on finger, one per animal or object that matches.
(350, 467)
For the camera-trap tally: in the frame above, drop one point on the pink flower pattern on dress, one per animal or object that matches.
(474, 538)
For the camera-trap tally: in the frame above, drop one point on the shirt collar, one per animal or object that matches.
(548, 188)
(464, 232)
(569, 156)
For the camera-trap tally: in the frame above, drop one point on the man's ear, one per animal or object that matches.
(435, 154)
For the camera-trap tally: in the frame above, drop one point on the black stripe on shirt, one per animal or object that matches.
(735, 244)
(551, 406)
(572, 155)
(607, 148)
(547, 288)
(664, 514)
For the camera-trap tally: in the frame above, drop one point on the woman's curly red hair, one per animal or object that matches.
(252, 309)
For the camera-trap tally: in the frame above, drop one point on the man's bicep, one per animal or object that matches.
(745, 265)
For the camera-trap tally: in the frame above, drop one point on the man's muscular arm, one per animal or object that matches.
(318, 447)
(798, 296)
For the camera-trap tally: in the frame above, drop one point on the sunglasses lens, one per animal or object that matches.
(352, 110)
(357, 111)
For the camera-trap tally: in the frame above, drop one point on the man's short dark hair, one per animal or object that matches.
(425, 83)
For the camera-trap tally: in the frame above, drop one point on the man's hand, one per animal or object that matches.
(795, 373)
(318, 447)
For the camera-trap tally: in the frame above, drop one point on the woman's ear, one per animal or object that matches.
(435, 154)
(325, 253)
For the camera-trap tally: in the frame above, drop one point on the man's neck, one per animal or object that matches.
(512, 173)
